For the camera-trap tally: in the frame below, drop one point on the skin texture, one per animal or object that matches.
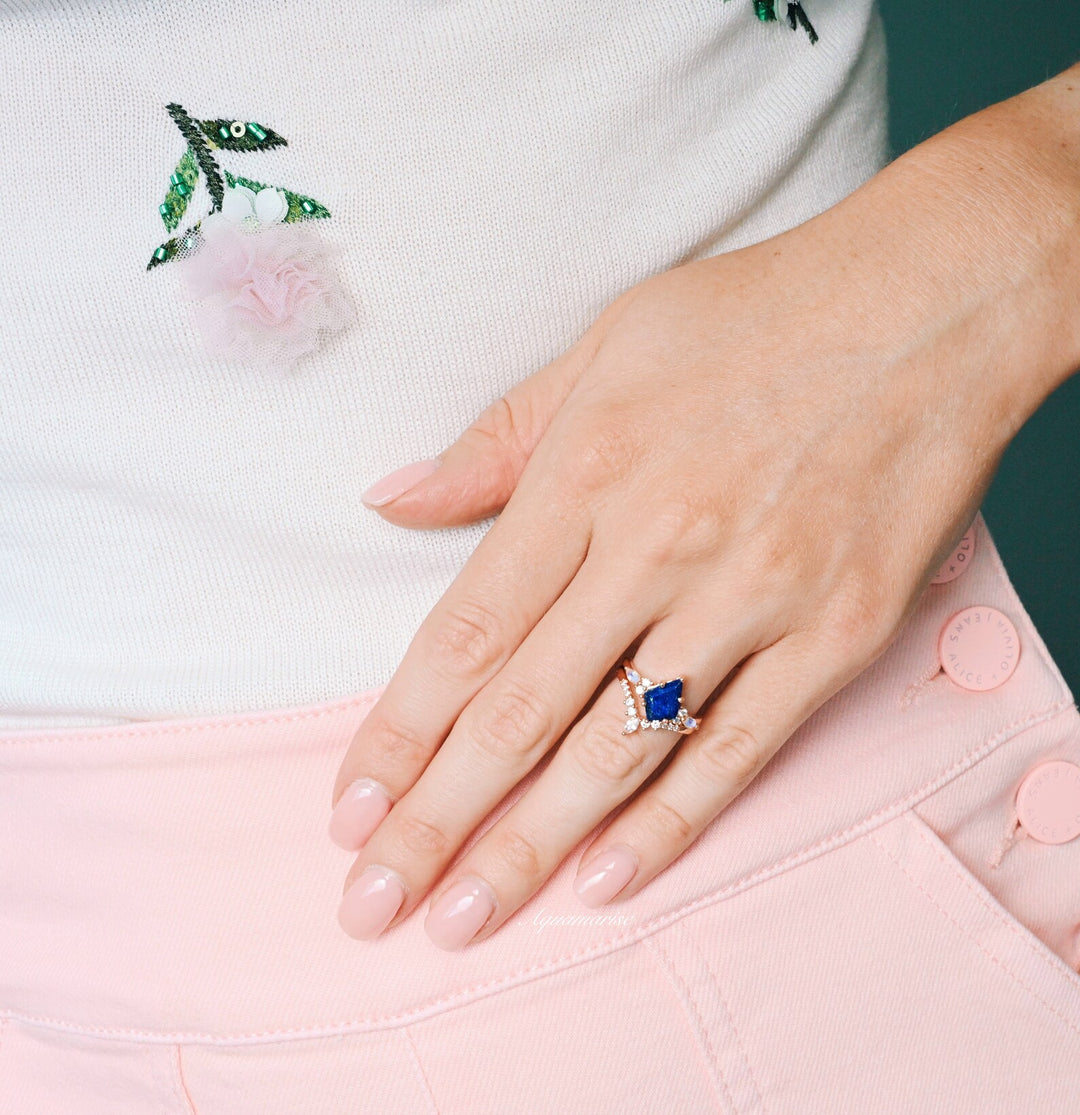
(744, 473)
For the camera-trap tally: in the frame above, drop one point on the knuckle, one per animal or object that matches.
(731, 757)
(602, 458)
(466, 641)
(516, 719)
(397, 748)
(666, 822)
(607, 754)
(686, 526)
(862, 618)
(519, 855)
(502, 424)
(422, 838)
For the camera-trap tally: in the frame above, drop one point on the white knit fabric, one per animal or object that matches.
(181, 536)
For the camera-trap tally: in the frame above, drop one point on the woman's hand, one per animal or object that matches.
(744, 474)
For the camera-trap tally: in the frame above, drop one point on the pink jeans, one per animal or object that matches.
(865, 929)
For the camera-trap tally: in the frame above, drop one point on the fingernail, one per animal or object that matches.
(398, 482)
(460, 913)
(605, 875)
(371, 902)
(358, 813)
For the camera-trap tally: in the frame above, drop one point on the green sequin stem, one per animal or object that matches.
(765, 10)
(197, 143)
(795, 12)
(300, 207)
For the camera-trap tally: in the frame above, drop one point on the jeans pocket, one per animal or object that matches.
(1008, 933)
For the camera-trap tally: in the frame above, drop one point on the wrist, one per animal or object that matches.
(970, 243)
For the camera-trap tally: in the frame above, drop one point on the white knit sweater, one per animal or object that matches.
(182, 535)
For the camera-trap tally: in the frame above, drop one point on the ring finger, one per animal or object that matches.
(597, 767)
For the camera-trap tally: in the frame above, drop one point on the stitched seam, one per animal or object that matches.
(522, 975)
(697, 1024)
(971, 937)
(182, 1083)
(987, 905)
(731, 1020)
(417, 1064)
(225, 721)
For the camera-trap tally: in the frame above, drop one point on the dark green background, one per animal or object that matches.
(945, 61)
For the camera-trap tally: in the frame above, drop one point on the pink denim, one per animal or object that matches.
(836, 941)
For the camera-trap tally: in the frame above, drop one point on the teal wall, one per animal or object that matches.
(945, 61)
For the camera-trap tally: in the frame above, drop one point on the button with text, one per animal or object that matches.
(979, 648)
(1048, 802)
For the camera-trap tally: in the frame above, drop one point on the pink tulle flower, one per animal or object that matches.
(265, 293)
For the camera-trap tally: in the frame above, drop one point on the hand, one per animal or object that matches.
(744, 473)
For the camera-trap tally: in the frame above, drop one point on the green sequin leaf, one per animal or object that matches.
(301, 208)
(181, 187)
(182, 244)
(240, 135)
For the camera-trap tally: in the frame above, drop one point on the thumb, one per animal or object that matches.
(476, 475)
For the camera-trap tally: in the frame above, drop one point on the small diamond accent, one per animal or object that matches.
(633, 675)
(631, 724)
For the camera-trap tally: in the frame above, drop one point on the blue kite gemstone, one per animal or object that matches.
(662, 701)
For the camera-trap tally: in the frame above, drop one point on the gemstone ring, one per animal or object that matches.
(653, 704)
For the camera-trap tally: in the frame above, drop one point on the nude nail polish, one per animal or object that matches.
(605, 875)
(398, 482)
(460, 913)
(371, 903)
(358, 813)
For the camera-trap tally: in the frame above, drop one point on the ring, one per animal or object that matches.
(654, 704)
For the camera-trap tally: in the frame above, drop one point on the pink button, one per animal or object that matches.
(1048, 802)
(979, 648)
(959, 561)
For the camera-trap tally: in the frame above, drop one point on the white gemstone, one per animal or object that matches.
(631, 724)
(646, 682)
(629, 702)
(633, 675)
(639, 689)
(691, 722)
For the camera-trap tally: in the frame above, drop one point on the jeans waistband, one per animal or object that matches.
(173, 880)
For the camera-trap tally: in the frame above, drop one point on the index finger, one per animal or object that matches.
(514, 575)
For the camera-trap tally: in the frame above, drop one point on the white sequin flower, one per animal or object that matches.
(243, 206)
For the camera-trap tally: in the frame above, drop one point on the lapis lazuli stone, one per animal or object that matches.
(662, 701)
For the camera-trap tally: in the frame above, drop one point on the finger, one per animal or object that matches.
(476, 476)
(509, 581)
(498, 739)
(598, 767)
(769, 696)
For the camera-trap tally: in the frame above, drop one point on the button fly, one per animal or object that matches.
(979, 648)
(1048, 802)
